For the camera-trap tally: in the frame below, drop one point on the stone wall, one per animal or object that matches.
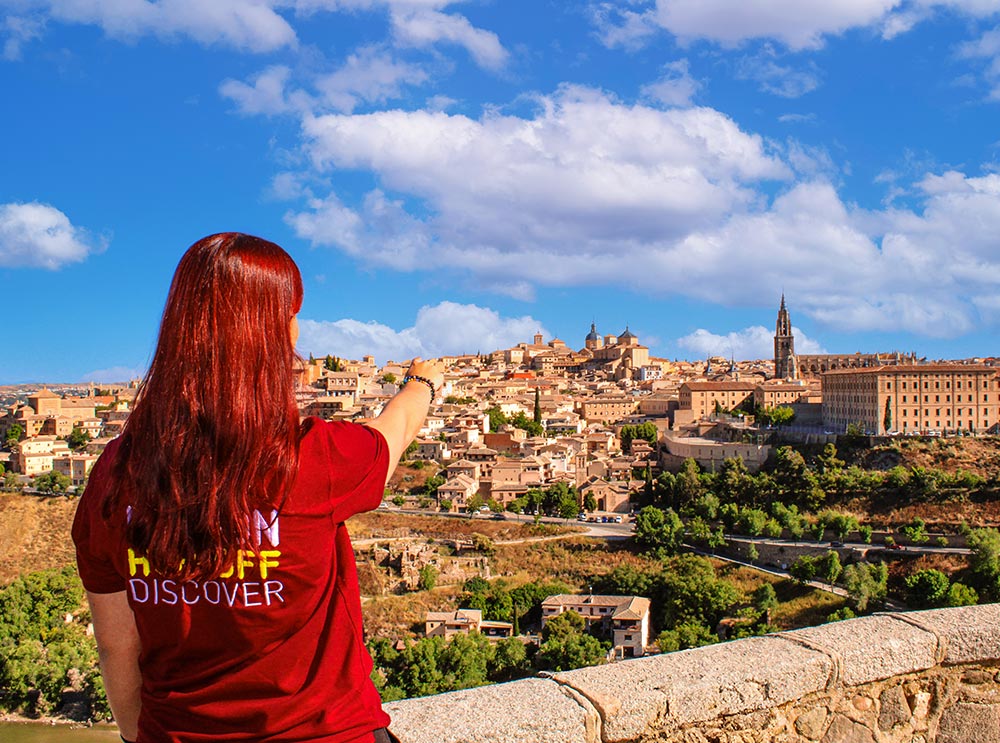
(920, 677)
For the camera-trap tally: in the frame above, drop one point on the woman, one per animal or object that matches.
(211, 536)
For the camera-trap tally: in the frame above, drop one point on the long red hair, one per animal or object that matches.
(214, 432)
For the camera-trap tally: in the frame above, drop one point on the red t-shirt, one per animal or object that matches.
(272, 649)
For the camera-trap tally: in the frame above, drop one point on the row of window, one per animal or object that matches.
(947, 398)
(937, 385)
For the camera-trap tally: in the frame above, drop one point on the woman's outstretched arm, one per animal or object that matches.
(118, 647)
(405, 413)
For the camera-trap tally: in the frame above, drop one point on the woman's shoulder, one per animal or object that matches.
(347, 437)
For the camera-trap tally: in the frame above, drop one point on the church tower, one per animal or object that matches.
(784, 346)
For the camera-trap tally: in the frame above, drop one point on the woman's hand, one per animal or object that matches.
(432, 370)
(404, 414)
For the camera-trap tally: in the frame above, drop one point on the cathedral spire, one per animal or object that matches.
(784, 344)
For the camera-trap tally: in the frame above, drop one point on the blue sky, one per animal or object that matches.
(453, 176)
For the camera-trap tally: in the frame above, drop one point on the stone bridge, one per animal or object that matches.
(918, 677)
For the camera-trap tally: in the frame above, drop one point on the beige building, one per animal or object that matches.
(35, 456)
(607, 408)
(75, 466)
(780, 393)
(448, 623)
(704, 398)
(940, 398)
(627, 618)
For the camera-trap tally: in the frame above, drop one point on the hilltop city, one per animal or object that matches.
(541, 412)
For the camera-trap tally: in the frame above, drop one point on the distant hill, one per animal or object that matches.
(34, 534)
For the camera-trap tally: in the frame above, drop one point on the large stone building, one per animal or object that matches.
(943, 398)
(789, 365)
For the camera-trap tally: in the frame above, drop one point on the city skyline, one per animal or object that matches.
(451, 178)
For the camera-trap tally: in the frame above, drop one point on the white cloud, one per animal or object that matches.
(586, 176)
(986, 48)
(797, 24)
(773, 77)
(369, 75)
(252, 25)
(40, 236)
(589, 191)
(422, 27)
(248, 25)
(755, 342)
(797, 118)
(618, 26)
(676, 87)
(382, 232)
(442, 329)
(18, 31)
(114, 374)
(265, 95)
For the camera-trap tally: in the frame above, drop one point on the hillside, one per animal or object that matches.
(978, 455)
(36, 534)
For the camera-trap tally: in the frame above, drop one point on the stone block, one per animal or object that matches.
(893, 708)
(970, 633)
(845, 730)
(969, 723)
(638, 697)
(872, 648)
(810, 724)
(526, 710)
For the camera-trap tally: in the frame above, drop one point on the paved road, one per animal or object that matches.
(925, 549)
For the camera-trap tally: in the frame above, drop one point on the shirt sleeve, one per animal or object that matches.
(92, 536)
(359, 466)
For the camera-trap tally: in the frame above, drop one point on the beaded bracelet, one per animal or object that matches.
(425, 380)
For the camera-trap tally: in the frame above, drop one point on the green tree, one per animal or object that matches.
(984, 562)
(691, 592)
(52, 482)
(537, 414)
(332, 363)
(828, 567)
(497, 418)
(828, 462)
(804, 569)
(866, 584)
(509, 661)
(777, 416)
(961, 595)
(589, 502)
(659, 531)
(631, 432)
(566, 646)
(915, 531)
(684, 636)
(796, 483)
(927, 588)
(13, 435)
(732, 480)
(764, 597)
(388, 378)
(887, 415)
(688, 486)
(751, 522)
(428, 577)
(77, 439)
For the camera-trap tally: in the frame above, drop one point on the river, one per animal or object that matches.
(34, 732)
